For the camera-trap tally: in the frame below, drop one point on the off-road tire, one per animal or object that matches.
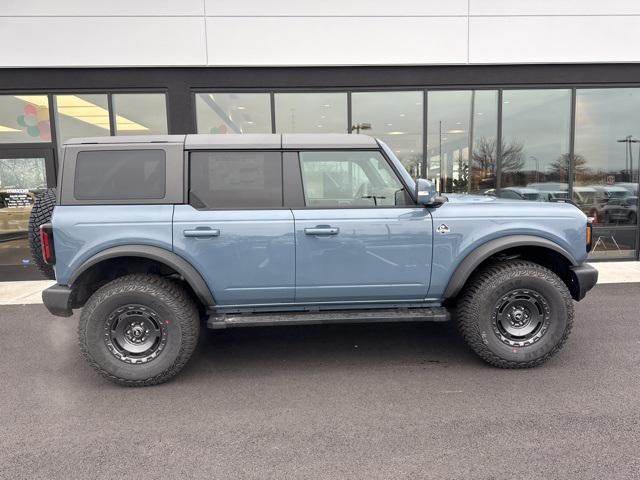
(176, 310)
(41, 214)
(476, 308)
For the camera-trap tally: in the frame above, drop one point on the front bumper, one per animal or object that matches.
(584, 278)
(57, 299)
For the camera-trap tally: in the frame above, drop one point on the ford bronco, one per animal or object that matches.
(152, 236)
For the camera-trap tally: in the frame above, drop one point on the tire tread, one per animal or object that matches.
(477, 288)
(166, 290)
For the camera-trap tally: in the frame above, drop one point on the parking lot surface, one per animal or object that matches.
(341, 401)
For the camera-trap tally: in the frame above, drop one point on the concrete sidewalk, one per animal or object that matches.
(23, 293)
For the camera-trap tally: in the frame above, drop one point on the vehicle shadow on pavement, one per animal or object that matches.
(323, 347)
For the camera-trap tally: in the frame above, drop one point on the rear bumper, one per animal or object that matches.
(57, 299)
(584, 278)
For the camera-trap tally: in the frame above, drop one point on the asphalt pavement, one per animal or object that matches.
(340, 402)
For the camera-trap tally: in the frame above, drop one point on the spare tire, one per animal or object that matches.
(41, 214)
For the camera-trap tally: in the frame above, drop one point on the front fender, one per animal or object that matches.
(466, 267)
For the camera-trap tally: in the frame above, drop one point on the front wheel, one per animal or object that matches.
(139, 330)
(515, 314)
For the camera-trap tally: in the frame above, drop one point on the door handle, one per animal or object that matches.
(322, 231)
(202, 233)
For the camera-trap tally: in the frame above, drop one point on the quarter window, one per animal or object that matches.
(235, 180)
(120, 175)
(350, 179)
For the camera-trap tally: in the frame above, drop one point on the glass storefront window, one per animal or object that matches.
(535, 147)
(21, 179)
(457, 122)
(396, 118)
(311, 112)
(140, 113)
(607, 152)
(24, 119)
(81, 116)
(233, 112)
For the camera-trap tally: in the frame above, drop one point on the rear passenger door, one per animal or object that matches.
(359, 237)
(235, 230)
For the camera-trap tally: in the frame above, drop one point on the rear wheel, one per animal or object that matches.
(41, 214)
(139, 330)
(515, 314)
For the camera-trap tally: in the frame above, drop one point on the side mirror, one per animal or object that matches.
(426, 194)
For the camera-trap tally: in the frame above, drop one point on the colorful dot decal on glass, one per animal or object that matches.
(35, 121)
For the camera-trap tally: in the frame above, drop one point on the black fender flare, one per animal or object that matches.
(464, 270)
(166, 257)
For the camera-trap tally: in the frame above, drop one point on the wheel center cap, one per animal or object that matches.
(137, 331)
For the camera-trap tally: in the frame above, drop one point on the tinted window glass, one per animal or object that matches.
(120, 175)
(349, 179)
(311, 112)
(535, 143)
(396, 118)
(233, 112)
(236, 180)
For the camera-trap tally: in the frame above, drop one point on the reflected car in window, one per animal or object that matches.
(621, 210)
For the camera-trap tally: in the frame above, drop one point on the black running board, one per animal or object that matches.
(432, 314)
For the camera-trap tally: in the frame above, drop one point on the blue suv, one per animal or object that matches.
(154, 236)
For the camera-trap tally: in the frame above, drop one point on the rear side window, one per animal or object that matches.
(120, 175)
(235, 180)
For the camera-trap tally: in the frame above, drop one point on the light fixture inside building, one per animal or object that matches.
(396, 133)
(85, 111)
(4, 129)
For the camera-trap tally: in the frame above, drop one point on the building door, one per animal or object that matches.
(24, 173)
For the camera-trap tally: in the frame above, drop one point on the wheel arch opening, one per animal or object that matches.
(107, 270)
(541, 255)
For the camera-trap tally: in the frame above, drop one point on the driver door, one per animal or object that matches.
(360, 236)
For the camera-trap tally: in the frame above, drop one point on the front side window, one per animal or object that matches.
(120, 175)
(345, 179)
(235, 180)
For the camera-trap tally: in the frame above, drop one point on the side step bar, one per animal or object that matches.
(225, 320)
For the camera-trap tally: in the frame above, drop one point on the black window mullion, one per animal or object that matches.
(499, 146)
(572, 143)
(272, 101)
(349, 113)
(112, 117)
(424, 167)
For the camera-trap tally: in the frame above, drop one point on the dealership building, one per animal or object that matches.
(532, 100)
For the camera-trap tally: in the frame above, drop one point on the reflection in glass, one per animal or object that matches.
(140, 113)
(613, 243)
(535, 150)
(311, 112)
(81, 116)
(458, 120)
(21, 179)
(396, 118)
(24, 119)
(607, 147)
(233, 112)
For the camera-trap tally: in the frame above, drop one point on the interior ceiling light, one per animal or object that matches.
(455, 130)
(85, 111)
(4, 129)
(396, 133)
